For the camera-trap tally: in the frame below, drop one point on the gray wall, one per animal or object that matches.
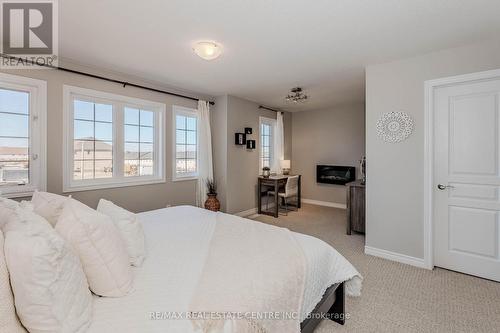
(218, 123)
(395, 171)
(243, 164)
(331, 136)
(236, 167)
(135, 198)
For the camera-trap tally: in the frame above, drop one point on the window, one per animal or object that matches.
(111, 140)
(139, 142)
(23, 107)
(92, 140)
(266, 141)
(186, 143)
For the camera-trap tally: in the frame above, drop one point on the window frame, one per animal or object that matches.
(37, 136)
(272, 123)
(118, 102)
(189, 112)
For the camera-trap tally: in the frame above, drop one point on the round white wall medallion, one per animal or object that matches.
(394, 127)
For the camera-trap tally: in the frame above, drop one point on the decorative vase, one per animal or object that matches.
(212, 203)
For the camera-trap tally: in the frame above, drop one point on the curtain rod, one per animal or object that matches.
(266, 108)
(123, 83)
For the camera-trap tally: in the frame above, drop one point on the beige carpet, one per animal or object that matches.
(397, 297)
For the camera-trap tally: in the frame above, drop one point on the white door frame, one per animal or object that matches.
(429, 87)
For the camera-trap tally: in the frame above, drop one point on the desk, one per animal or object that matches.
(275, 182)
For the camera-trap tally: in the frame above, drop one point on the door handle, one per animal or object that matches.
(444, 187)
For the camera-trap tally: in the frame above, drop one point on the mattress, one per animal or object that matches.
(177, 241)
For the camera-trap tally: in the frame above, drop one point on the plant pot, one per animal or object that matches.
(212, 203)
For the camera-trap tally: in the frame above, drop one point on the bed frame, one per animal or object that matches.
(333, 304)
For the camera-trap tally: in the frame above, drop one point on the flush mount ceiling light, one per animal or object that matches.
(296, 95)
(207, 50)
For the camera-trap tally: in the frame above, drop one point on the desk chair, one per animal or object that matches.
(291, 190)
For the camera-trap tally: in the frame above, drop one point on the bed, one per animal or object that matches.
(177, 241)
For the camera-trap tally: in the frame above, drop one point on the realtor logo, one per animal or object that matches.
(29, 33)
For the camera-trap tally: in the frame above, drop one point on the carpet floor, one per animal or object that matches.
(397, 297)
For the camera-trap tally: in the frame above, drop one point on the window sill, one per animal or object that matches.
(13, 195)
(185, 178)
(115, 184)
(12, 192)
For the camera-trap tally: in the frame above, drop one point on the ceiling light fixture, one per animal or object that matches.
(296, 95)
(207, 50)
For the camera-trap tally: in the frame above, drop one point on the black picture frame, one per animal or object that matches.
(248, 130)
(240, 139)
(250, 144)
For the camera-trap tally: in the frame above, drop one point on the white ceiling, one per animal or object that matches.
(270, 46)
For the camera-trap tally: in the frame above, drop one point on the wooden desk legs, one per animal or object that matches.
(259, 198)
(276, 199)
(299, 198)
(274, 183)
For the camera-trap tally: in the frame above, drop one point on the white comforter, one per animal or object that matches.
(177, 241)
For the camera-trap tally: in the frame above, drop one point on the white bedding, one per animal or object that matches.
(177, 241)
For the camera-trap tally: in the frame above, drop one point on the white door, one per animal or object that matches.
(467, 178)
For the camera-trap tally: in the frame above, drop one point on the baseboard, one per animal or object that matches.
(253, 211)
(324, 203)
(393, 256)
(247, 213)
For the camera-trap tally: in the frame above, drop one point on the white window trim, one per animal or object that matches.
(271, 122)
(118, 179)
(181, 110)
(37, 134)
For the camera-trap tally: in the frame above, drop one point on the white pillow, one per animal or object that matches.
(130, 230)
(7, 208)
(51, 293)
(48, 205)
(8, 318)
(100, 247)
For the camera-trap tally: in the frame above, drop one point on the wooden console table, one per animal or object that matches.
(355, 207)
(275, 182)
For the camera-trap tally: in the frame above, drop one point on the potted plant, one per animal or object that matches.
(266, 172)
(212, 203)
